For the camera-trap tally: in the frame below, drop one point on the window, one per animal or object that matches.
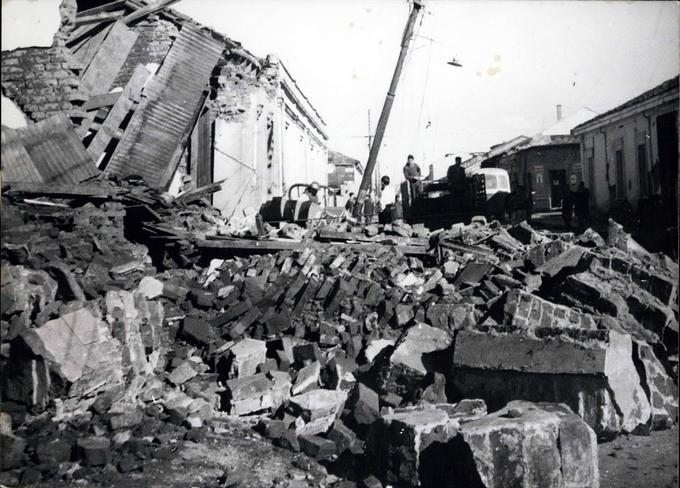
(490, 182)
(620, 175)
(642, 169)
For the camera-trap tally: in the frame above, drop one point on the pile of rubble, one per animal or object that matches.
(382, 365)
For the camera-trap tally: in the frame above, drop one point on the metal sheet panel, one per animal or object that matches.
(48, 151)
(154, 139)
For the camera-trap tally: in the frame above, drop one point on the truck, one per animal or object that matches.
(485, 192)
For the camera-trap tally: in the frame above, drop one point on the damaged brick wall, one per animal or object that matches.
(234, 88)
(41, 81)
(155, 39)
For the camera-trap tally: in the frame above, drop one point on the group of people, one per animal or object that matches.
(576, 204)
(389, 205)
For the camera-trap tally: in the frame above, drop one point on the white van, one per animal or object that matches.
(496, 179)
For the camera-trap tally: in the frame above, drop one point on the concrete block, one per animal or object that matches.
(308, 378)
(418, 341)
(258, 392)
(317, 410)
(397, 441)
(245, 355)
(528, 445)
(182, 373)
(364, 404)
(317, 447)
(150, 288)
(95, 451)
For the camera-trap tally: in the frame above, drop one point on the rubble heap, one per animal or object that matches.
(119, 331)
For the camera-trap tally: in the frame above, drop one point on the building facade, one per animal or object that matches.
(344, 173)
(630, 153)
(267, 135)
(545, 167)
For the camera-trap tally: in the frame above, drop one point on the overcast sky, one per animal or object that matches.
(520, 59)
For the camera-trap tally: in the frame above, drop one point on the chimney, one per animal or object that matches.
(559, 112)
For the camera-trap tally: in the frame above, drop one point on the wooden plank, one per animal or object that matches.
(102, 8)
(203, 149)
(253, 246)
(105, 100)
(86, 50)
(333, 235)
(108, 60)
(100, 17)
(198, 193)
(62, 191)
(148, 10)
(124, 103)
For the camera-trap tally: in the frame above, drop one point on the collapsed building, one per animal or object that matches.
(137, 318)
(122, 71)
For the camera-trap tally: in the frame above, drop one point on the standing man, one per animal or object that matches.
(368, 209)
(387, 198)
(413, 176)
(456, 179)
(582, 204)
(311, 193)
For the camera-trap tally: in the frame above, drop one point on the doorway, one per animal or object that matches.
(667, 137)
(558, 184)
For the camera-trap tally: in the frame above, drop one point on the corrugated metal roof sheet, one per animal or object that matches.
(151, 144)
(48, 151)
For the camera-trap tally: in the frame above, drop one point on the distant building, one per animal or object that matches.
(497, 151)
(545, 164)
(630, 153)
(474, 162)
(344, 174)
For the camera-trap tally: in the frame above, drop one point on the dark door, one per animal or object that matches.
(558, 185)
(667, 135)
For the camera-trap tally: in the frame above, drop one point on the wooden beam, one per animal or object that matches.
(98, 101)
(218, 245)
(109, 59)
(85, 50)
(125, 103)
(102, 8)
(62, 191)
(147, 10)
(98, 18)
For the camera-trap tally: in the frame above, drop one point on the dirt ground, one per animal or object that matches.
(640, 461)
(240, 455)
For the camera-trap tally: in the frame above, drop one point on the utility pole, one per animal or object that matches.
(374, 182)
(387, 107)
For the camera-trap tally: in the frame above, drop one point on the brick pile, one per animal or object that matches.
(379, 365)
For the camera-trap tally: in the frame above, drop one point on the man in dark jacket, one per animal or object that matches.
(412, 174)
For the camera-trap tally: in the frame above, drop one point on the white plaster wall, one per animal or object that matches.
(632, 131)
(237, 191)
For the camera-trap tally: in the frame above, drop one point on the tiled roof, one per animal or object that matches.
(664, 87)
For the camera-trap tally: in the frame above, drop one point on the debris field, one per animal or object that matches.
(142, 327)
(391, 355)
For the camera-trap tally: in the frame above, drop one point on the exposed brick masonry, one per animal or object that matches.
(41, 81)
(155, 39)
